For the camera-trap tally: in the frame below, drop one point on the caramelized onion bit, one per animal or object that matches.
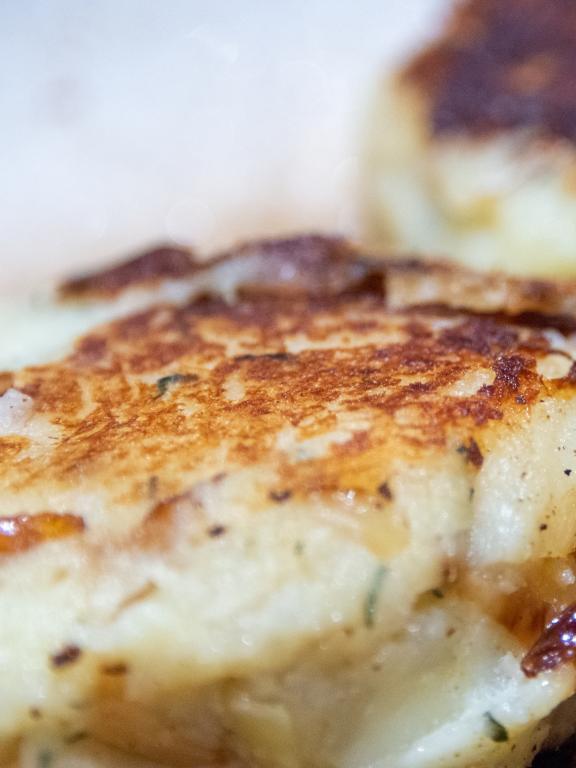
(23, 532)
(555, 646)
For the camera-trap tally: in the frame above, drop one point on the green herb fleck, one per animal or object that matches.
(164, 384)
(371, 601)
(298, 547)
(494, 729)
(437, 593)
(45, 758)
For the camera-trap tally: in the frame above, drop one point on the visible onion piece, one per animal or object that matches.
(22, 532)
(555, 646)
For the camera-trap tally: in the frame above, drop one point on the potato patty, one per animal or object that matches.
(471, 150)
(289, 508)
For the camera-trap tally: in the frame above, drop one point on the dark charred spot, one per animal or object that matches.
(543, 527)
(509, 371)
(373, 284)
(567, 472)
(68, 655)
(565, 324)
(500, 66)
(160, 263)
(384, 491)
(418, 387)
(481, 335)
(555, 646)
(319, 266)
(216, 530)
(280, 496)
(471, 452)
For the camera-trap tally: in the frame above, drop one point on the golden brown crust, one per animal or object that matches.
(502, 64)
(165, 262)
(317, 266)
(300, 392)
(307, 264)
(173, 395)
(150, 405)
(417, 283)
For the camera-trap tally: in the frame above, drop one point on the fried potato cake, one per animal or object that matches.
(293, 507)
(471, 150)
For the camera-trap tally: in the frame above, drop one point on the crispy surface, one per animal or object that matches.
(147, 268)
(415, 282)
(328, 390)
(248, 348)
(221, 509)
(502, 64)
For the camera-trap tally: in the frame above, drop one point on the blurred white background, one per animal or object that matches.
(128, 122)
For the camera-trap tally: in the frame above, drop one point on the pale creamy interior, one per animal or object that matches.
(506, 201)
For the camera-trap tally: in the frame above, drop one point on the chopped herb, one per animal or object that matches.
(437, 592)
(371, 601)
(494, 729)
(298, 547)
(45, 758)
(164, 384)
